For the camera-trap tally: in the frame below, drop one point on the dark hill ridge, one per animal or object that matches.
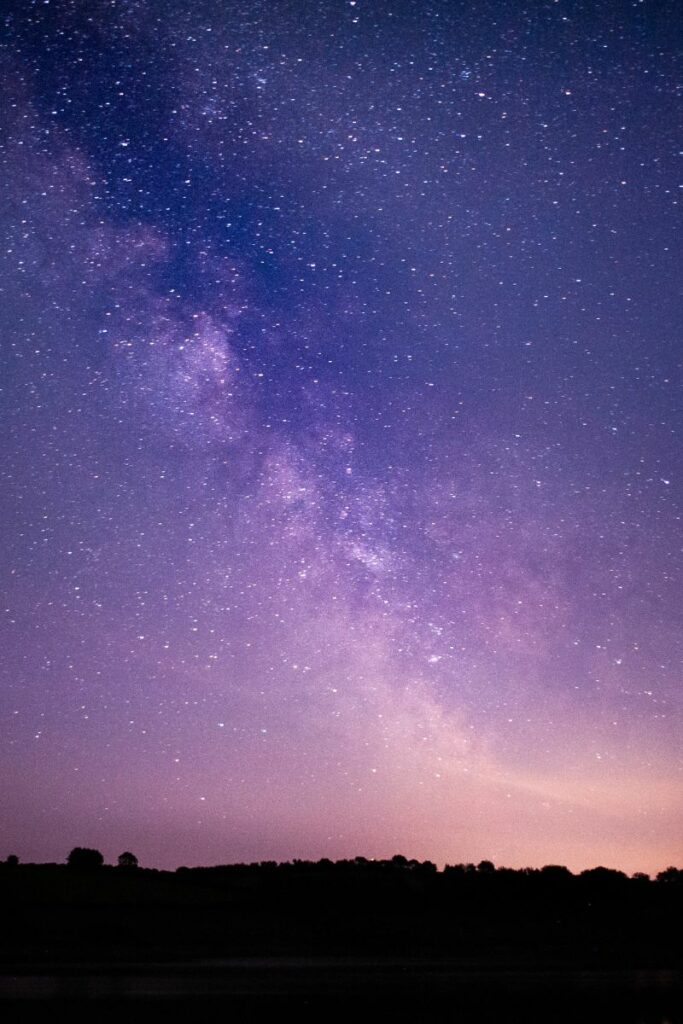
(548, 917)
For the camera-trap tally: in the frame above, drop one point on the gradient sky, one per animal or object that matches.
(341, 426)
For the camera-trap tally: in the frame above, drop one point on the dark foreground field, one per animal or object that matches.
(397, 936)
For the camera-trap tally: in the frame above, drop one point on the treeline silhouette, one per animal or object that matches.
(87, 911)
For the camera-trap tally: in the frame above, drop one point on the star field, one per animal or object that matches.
(341, 491)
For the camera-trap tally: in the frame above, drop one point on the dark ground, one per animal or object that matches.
(396, 936)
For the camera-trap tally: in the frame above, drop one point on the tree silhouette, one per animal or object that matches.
(127, 860)
(670, 875)
(84, 859)
(486, 867)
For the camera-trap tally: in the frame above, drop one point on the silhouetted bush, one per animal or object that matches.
(84, 859)
(127, 860)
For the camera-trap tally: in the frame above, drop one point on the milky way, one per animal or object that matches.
(341, 431)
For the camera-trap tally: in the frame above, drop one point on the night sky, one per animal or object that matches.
(341, 426)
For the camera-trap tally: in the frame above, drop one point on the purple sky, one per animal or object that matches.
(341, 432)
